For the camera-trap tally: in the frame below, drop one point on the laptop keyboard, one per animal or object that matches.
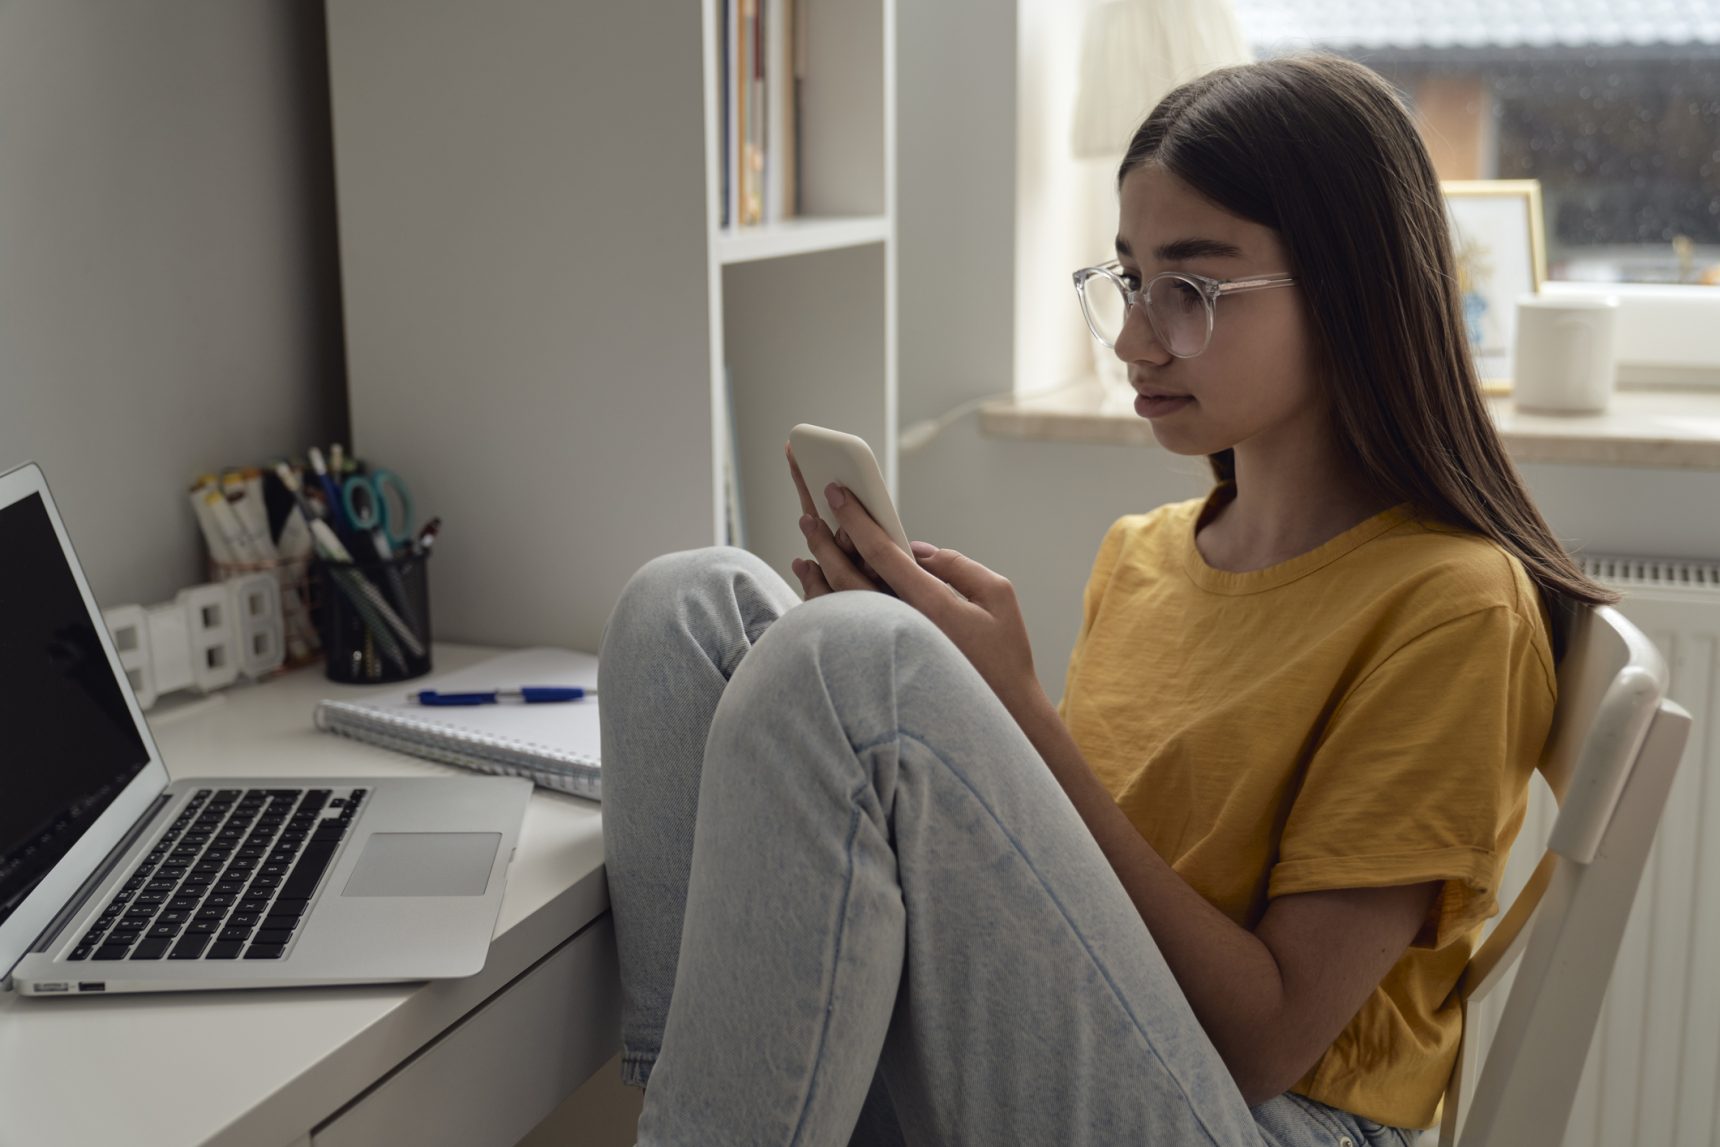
(229, 879)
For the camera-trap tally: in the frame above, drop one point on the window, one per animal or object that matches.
(1614, 108)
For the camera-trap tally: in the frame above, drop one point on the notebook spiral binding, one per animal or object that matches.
(505, 756)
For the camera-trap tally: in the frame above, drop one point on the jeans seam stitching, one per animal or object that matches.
(1332, 1126)
(835, 963)
(1067, 919)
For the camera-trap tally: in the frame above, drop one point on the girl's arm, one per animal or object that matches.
(1271, 1000)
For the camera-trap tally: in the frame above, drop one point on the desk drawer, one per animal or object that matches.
(492, 1077)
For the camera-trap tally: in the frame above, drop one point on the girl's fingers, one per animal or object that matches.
(839, 569)
(807, 505)
(812, 583)
(853, 552)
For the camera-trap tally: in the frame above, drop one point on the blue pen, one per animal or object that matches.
(330, 491)
(530, 694)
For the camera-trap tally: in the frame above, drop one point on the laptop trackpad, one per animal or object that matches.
(424, 864)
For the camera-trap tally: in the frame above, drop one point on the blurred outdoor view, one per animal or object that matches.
(1613, 106)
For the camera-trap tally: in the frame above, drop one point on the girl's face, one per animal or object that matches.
(1257, 380)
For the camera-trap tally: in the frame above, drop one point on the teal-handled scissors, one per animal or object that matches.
(379, 504)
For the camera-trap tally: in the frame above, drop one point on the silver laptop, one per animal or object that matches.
(114, 878)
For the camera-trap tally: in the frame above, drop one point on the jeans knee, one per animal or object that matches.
(658, 590)
(855, 624)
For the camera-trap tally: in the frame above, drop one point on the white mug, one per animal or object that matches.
(1563, 357)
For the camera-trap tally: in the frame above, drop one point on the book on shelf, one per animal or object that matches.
(725, 112)
(734, 518)
(762, 73)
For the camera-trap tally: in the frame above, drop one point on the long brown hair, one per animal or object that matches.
(1320, 149)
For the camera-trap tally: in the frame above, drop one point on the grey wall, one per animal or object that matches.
(169, 293)
(1035, 511)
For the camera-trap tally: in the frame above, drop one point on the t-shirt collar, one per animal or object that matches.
(1284, 572)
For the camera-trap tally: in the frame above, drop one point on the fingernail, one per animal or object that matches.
(806, 524)
(834, 495)
(923, 549)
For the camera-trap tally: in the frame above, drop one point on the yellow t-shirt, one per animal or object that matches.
(1363, 715)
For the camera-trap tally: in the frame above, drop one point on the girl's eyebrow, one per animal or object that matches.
(1182, 249)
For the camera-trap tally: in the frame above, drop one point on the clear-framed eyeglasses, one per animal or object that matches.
(1179, 304)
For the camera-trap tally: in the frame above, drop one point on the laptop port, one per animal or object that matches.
(92, 985)
(51, 987)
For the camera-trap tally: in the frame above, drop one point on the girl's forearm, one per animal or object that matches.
(1229, 976)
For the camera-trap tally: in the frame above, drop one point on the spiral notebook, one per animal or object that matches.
(555, 745)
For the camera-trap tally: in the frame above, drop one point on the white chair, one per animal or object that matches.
(1610, 758)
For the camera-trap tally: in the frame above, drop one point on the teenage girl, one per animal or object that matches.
(870, 885)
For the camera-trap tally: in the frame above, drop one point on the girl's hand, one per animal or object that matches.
(981, 616)
(840, 565)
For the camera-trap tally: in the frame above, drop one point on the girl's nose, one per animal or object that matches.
(1137, 340)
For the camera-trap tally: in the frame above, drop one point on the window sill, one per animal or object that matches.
(1666, 429)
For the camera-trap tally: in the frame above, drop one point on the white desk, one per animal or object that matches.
(464, 1063)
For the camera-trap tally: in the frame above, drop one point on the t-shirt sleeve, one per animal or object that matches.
(1422, 771)
(1103, 563)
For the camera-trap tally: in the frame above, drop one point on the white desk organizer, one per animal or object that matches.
(204, 639)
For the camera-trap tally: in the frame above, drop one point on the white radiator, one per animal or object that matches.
(1653, 1073)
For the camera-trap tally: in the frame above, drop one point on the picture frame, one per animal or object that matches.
(1498, 240)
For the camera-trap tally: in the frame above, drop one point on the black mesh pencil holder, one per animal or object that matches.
(375, 619)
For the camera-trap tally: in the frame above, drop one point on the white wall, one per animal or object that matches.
(168, 287)
(1035, 511)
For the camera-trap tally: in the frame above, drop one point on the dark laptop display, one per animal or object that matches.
(68, 746)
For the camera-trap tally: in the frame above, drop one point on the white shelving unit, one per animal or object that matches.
(527, 195)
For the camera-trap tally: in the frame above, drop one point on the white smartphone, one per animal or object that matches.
(825, 456)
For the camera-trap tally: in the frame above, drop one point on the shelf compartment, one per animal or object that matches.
(798, 237)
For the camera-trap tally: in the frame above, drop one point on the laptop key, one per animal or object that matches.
(264, 951)
(272, 936)
(203, 927)
(81, 952)
(308, 871)
(224, 950)
(111, 952)
(231, 933)
(189, 948)
(151, 949)
(164, 931)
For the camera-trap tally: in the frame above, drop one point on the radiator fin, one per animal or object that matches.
(1630, 574)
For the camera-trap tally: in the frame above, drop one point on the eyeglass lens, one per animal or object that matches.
(1177, 309)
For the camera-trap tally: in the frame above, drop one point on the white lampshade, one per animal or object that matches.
(1134, 52)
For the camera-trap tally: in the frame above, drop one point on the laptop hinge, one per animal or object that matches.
(75, 904)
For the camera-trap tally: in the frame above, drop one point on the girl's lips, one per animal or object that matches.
(1148, 406)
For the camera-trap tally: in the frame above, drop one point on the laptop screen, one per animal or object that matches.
(68, 746)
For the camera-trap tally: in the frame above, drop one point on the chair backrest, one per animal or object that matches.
(1609, 759)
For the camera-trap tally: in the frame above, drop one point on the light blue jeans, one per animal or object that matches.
(854, 906)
